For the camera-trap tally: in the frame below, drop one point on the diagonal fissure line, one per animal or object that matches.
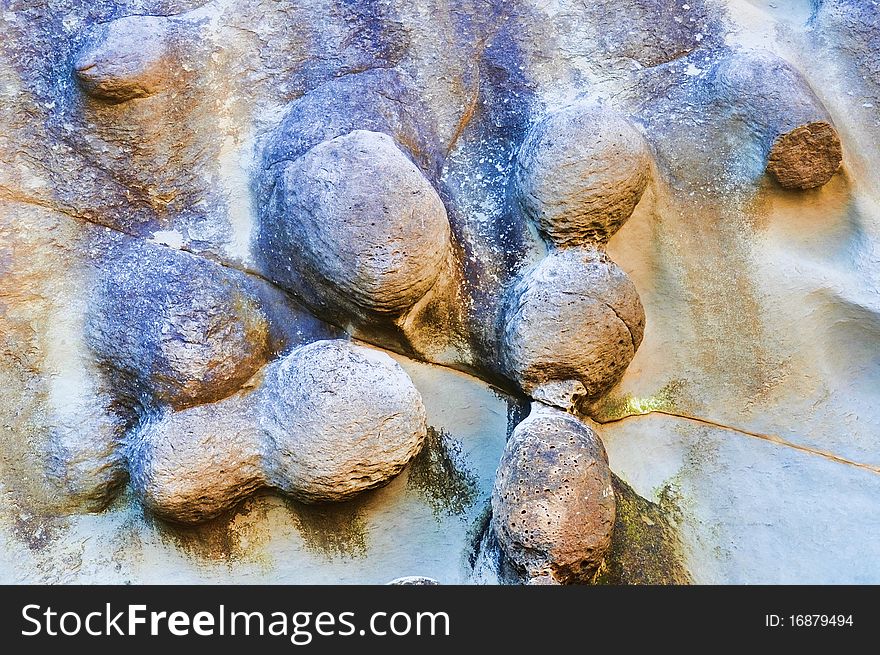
(9, 195)
(772, 438)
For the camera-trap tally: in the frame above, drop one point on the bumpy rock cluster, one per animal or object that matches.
(224, 358)
(580, 174)
(574, 321)
(324, 423)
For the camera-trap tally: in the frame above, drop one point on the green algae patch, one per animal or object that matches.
(440, 476)
(668, 398)
(219, 539)
(645, 547)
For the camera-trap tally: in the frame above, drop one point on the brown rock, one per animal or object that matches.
(358, 224)
(575, 319)
(553, 504)
(580, 174)
(190, 466)
(806, 157)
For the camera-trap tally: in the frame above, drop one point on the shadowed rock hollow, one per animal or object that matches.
(255, 255)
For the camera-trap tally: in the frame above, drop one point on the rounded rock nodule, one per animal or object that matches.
(783, 112)
(343, 419)
(806, 157)
(328, 421)
(576, 317)
(357, 218)
(413, 580)
(553, 505)
(130, 59)
(193, 465)
(180, 329)
(580, 174)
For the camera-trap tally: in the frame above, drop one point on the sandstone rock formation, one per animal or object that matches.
(174, 328)
(324, 423)
(356, 225)
(378, 100)
(343, 419)
(756, 98)
(203, 203)
(805, 149)
(580, 174)
(192, 465)
(553, 505)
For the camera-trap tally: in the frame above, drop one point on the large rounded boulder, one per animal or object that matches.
(580, 174)
(176, 328)
(553, 505)
(575, 321)
(355, 224)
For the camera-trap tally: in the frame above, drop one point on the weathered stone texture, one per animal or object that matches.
(176, 328)
(580, 174)
(355, 224)
(575, 317)
(806, 157)
(553, 504)
(195, 193)
(342, 418)
(130, 59)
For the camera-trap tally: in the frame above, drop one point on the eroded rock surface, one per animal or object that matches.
(324, 423)
(580, 174)
(450, 182)
(553, 505)
(575, 318)
(192, 465)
